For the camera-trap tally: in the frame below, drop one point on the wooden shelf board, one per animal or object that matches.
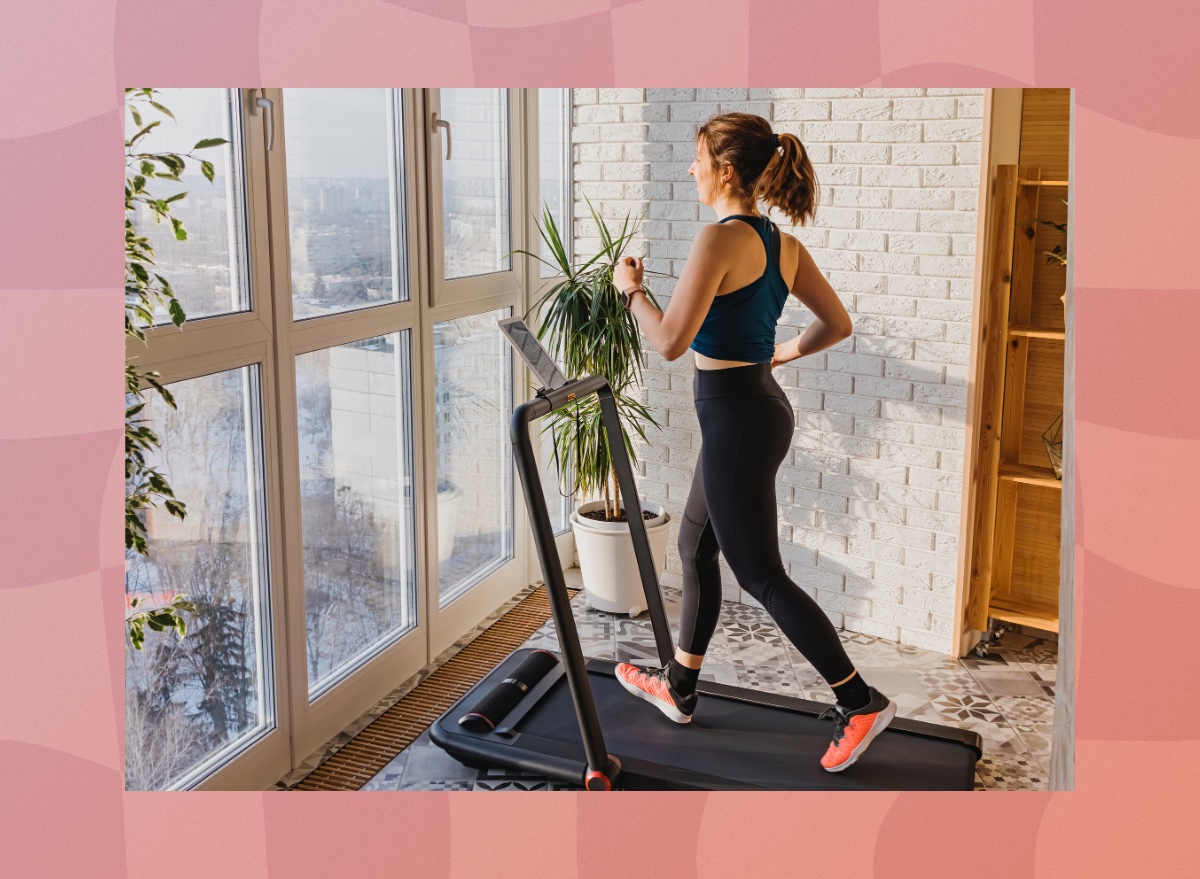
(1025, 613)
(1029, 474)
(1024, 182)
(1035, 332)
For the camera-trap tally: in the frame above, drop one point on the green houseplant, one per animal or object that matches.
(589, 332)
(145, 291)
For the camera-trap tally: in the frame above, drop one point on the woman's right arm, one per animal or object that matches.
(832, 322)
(707, 264)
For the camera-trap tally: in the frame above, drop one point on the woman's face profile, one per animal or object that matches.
(702, 170)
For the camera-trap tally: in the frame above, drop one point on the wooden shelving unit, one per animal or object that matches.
(1036, 333)
(1029, 474)
(1018, 500)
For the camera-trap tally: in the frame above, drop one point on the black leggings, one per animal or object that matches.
(746, 426)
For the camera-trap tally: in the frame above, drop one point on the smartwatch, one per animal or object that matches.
(625, 294)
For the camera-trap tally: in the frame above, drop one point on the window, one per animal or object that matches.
(208, 269)
(341, 436)
(344, 195)
(473, 398)
(475, 182)
(554, 161)
(355, 429)
(191, 701)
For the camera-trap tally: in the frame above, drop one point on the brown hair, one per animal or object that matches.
(766, 167)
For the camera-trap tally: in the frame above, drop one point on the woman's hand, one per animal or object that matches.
(780, 356)
(628, 273)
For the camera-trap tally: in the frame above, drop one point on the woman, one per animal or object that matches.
(725, 307)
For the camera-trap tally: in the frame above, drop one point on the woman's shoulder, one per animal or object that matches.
(790, 243)
(719, 237)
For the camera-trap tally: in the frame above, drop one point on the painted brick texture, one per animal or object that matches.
(869, 495)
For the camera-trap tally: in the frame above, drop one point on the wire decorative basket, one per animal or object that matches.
(1052, 439)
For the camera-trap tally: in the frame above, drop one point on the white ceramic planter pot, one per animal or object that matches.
(447, 510)
(611, 580)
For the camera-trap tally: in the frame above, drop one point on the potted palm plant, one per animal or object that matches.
(589, 332)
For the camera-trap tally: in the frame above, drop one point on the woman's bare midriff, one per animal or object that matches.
(705, 362)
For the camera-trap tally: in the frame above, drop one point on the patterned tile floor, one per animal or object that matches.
(1007, 697)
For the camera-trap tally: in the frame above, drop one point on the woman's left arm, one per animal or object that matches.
(672, 332)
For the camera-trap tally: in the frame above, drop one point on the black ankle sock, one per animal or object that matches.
(682, 678)
(853, 694)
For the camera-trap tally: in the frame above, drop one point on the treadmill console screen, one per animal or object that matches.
(532, 352)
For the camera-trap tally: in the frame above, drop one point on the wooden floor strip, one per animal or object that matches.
(360, 759)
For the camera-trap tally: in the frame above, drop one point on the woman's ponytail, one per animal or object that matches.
(788, 182)
(768, 167)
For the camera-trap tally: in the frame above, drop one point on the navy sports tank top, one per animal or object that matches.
(741, 325)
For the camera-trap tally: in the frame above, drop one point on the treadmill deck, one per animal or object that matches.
(738, 739)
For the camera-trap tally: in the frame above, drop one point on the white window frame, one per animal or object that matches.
(266, 336)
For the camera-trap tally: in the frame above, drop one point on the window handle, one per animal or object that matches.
(442, 123)
(266, 104)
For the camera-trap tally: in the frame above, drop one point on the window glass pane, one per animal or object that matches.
(207, 270)
(554, 129)
(355, 434)
(556, 479)
(475, 184)
(473, 403)
(192, 702)
(345, 199)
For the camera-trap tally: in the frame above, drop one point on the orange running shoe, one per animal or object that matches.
(853, 731)
(653, 686)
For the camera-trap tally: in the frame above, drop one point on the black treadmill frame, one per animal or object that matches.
(551, 757)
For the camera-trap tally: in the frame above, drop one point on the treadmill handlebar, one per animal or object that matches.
(547, 401)
(551, 399)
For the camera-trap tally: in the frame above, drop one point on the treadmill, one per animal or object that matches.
(568, 718)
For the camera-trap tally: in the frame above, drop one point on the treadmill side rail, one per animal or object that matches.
(598, 761)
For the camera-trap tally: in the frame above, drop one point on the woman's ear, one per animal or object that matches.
(726, 177)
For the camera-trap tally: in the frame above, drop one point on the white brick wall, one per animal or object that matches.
(869, 494)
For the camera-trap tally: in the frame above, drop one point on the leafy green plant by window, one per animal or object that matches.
(145, 291)
(589, 332)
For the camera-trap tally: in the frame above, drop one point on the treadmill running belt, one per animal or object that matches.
(747, 744)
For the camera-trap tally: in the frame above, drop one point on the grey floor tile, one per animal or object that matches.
(915, 657)
(866, 651)
(1025, 709)
(1037, 737)
(1012, 772)
(772, 679)
(637, 652)
(820, 694)
(951, 680)
(389, 777)
(808, 676)
(913, 708)
(515, 780)
(992, 662)
(998, 738)
(759, 654)
(427, 764)
(894, 682)
(1007, 683)
(958, 709)
(720, 673)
